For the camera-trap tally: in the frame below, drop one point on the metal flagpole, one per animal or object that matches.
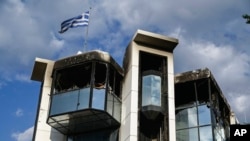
(86, 36)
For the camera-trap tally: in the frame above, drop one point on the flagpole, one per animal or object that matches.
(86, 35)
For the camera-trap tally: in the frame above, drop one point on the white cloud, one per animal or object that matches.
(32, 29)
(216, 38)
(25, 35)
(23, 136)
(23, 77)
(19, 112)
(241, 105)
(55, 43)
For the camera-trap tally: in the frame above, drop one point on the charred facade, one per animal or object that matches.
(86, 95)
(202, 112)
(89, 97)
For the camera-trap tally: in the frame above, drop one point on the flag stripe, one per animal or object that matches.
(81, 20)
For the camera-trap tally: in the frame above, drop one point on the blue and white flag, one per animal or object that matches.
(81, 20)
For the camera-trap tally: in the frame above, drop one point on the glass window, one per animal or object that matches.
(117, 109)
(98, 99)
(187, 135)
(110, 102)
(217, 135)
(100, 75)
(151, 90)
(206, 133)
(114, 82)
(186, 118)
(223, 133)
(114, 106)
(84, 96)
(72, 78)
(204, 115)
(220, 132)
(185, 95)
(65, 102)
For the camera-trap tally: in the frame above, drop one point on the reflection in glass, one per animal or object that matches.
(204, 115)
(222, 131)
(206, 133)
(84, 98)
(117, 109)
(219, 132)
(114, 106)
(98, 99)
(64, 102)
(186, 118)
(151, 90)
(70, 101)
(110, 104)
(187, 135)
(217, 135)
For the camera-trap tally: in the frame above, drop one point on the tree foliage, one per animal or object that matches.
(247, 17)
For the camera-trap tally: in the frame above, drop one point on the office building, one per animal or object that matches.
(90, 97)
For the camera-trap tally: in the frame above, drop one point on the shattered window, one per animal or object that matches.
(72, 78)
(98, 100)
(100, 75)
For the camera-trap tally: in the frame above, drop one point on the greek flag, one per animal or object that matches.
(81, 20)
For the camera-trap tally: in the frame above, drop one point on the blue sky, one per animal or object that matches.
(211, 34)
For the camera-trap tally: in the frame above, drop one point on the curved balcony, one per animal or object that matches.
(76, 111)
(85, 95)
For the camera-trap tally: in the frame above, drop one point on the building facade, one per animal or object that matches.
(202, 112)
(90, 97)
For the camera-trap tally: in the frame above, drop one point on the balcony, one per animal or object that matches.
(77, 111)
(85, 94)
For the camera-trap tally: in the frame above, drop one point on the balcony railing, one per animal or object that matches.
(80, 110)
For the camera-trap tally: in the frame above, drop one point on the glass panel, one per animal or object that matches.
(117, 109)
(64, 123)
(217, 135)
(84, 98)
(98, 99)
(110, 104)
(61, 117)
(219, 132)
(65, 102)
(222, 131)
(187, 135)
(186, 118)
(151, 90)
(206, 133)
(146, 91)
(204, 115)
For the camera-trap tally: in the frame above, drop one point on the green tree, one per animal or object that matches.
(247, 17)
